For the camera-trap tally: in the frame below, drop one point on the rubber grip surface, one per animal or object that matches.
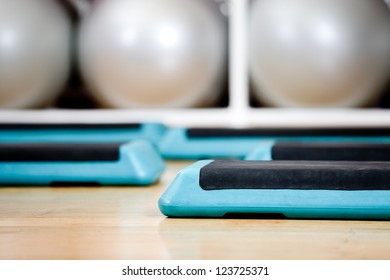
(306, 175)
(49, 152)
(331, 151)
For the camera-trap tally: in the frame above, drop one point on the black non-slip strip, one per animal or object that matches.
(331, 151)
(58, 152)
(19, 126)
(304, 175)
(286, 132)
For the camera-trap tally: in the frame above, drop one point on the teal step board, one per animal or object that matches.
(132, 163)
(213, 143)
(292, 189)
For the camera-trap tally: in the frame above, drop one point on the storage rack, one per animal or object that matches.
(238, 113)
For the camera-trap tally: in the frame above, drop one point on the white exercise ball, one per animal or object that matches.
(319, 53)
(148, 53)
(34, 52)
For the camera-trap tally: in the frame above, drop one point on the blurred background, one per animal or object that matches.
(135, 54)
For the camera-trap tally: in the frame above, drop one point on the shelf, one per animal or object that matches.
(229, 117)
(237, 114)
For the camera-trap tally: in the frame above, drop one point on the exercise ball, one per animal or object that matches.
(34, 52)
(319, 53)
(148, 53)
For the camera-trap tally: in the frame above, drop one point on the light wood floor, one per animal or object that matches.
(125, 223)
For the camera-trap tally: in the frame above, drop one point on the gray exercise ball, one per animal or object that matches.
(319, 53)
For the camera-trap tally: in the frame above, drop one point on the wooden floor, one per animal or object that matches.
(125, 223)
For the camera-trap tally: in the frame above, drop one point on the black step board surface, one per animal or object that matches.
(286, 132)
(53, 152)
(306, 175)
(331, 151)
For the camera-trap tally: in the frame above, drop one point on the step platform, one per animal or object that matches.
(221, 143)
(292, 189)
(321, 151)
(81, 132)
(79, 164)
